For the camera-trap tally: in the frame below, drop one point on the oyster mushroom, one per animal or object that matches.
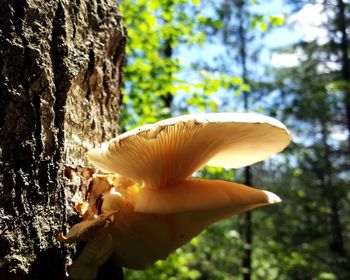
(163, 207)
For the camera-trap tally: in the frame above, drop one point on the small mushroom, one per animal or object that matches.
(160, 207)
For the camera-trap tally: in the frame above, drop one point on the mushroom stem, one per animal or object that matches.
(200, 195)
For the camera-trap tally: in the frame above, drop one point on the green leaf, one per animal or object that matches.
(263, 26)
(245, 88)
(236, 81)
(213, 106)
(276, 20)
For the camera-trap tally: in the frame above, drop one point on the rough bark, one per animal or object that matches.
(60, 78)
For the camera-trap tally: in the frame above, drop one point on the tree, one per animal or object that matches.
(317, 111)
(60, 80)
(236, 34)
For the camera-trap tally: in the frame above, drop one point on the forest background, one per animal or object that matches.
(287, 59)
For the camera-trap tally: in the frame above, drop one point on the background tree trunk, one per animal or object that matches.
(60, 79)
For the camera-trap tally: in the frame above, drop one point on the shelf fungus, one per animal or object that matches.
(150, 205)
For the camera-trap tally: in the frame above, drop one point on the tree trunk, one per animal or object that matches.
(246, 224)
(345, 63)
(60, 78)
(336, 232)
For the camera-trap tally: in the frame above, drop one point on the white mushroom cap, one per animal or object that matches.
(171, 150)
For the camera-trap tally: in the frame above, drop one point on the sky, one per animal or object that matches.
(305, 25)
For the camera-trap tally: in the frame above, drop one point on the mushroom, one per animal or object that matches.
(165, 207)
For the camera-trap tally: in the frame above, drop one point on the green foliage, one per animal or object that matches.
(154, 72)
(150, 73)
(314, 105)
(266, 22)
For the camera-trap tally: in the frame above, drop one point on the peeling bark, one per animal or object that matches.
(60, 80)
